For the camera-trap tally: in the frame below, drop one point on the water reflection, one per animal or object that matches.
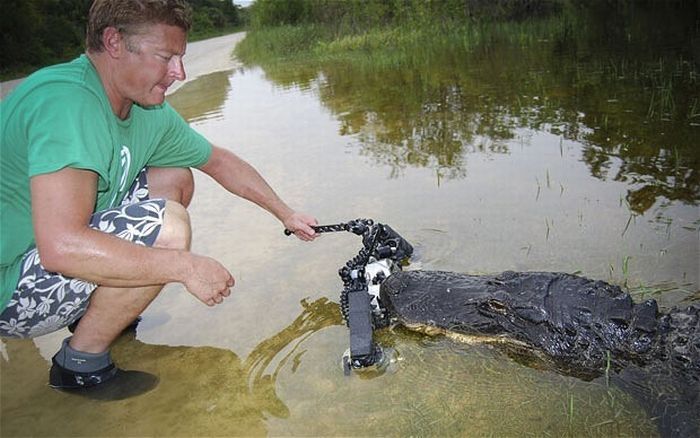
(598, 76)
(203, 98)
(203, 391)
(434, 124)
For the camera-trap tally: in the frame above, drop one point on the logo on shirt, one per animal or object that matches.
(125, 163)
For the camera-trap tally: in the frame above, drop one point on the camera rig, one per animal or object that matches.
(383, 252)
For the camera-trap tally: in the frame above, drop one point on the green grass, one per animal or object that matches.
(385, 45)
(662, 79)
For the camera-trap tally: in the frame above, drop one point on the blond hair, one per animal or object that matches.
(130, 17)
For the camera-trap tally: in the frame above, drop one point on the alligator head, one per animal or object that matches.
(577, 326)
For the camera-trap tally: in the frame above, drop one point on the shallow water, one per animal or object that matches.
(478, 174)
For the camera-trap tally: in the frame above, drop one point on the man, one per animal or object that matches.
(94, 183)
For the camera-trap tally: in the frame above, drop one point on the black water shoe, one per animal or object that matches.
(109, 383)
(63, 378)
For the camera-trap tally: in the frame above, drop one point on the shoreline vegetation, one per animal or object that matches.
(325, 29)
(621, 77)
(380, 31)
(405, 32)
(37, 33)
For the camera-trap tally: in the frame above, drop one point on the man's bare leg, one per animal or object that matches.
(174, 184)
(111, 310)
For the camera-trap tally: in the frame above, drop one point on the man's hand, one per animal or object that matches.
(300, 225)
(208, 280)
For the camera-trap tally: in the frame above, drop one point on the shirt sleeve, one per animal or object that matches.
(65, 128)
(180, 145)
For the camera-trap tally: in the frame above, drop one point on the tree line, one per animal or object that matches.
(36, 33)
(355, 15)
(351, 16)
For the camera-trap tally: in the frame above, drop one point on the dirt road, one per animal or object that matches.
(203, 57)
(209, 56)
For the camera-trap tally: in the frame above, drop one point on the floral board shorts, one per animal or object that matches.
(47, 301)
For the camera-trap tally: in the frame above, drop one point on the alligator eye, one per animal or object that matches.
(497, 306)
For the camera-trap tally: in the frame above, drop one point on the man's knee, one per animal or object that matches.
(172, 183)
(175, 232)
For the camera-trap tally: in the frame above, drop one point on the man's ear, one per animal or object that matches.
(112, 41)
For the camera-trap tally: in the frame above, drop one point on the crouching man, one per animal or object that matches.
(95, 180)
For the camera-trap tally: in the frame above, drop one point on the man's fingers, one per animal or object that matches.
(217, 299)
(301, 225)
(217, 296)
(306, 233)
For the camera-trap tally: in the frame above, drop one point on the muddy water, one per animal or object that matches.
(472, 194)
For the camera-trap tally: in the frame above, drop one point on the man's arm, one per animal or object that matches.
(240, 178)
(62, 203)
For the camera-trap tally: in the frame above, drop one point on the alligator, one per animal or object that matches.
(567, 323)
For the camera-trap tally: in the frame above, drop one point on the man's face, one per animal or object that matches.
(152, 62)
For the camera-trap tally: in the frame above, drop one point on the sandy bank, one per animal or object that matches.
(203, 57)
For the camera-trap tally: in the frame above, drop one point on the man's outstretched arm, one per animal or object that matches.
(240, 178)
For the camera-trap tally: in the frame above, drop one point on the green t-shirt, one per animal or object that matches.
(61, 117)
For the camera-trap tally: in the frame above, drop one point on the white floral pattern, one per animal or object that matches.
(46, 301)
